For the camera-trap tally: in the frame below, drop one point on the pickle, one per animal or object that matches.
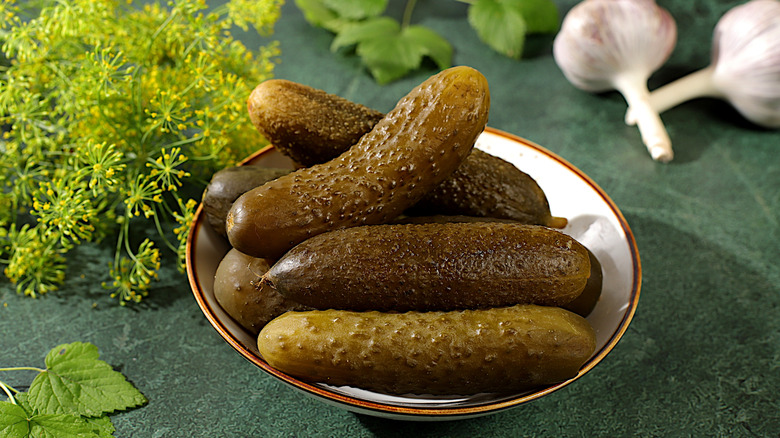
(504, 349)
(584, 304)
(488, 186)
(227, 185)
(306, 124)
(427, 267)
(312, 126)
(410, 151)
(238, 291)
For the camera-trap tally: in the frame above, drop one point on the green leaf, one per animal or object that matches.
(16, 422)
(499, 25)
(389, 59)
(373, 28)
(13, 421)
(77, 382)
(541, 16)
(318, 14)
(356, 9)
(389, 51)
(433, 45)
(102, 426)
(21, 400)
(61, 426)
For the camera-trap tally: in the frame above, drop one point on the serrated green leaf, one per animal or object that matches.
(356, 9)
(433, 45)
(389, 58)
(77, 382)
(501, 27)
(541, 16)
(316, 13)
(61, 426)
(13, 421)
(102, 426)
(373, 28)
(21, 400)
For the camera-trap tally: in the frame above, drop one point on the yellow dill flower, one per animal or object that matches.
(112, 134)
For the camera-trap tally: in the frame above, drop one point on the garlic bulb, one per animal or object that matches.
(617, 44)
(745, 67)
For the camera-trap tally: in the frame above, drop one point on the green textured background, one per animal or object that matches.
(701, 357)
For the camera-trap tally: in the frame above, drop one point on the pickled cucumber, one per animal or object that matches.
(410, 151)
(488, 186)
(308, 125)
(460, 352)
(584, 304)
(227, 185)
(238, 291)
(428, 267)
(312, 126)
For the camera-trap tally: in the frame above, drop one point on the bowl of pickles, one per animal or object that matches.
(429, 267)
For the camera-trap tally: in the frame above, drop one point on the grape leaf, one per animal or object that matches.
(356, 9)
(77, 382)
(318, 14)
(13, 420)
(390, 51)
(499, 25)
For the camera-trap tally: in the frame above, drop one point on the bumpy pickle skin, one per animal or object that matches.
(227, 185)
(584, 304)
(460, 352)
(488, 186)
(312, 126)
(238, 291)
(306, 124)
(410, 151)
(435, 266)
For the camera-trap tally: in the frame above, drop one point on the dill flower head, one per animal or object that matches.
(112, 134)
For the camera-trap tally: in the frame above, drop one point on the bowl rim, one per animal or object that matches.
(417, 411)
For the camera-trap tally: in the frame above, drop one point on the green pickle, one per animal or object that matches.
(504, 349)
(311, 126)
(407, 153)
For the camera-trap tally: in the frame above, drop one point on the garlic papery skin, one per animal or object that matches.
(616, 45)
(745, 67)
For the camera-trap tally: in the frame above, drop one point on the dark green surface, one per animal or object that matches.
(701, 357)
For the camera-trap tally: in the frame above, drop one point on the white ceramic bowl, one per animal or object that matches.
(594, 220)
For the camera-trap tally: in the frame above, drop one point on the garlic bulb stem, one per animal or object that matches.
(744, 68)
(692, 86)
(616, 45)
(651, 128)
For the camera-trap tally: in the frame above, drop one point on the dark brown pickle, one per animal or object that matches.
(238, 291)
(584, 304)
(428, 267)
(506, 349)
(488, 186)
(227, 185)
(308, 125)
(411, 150)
